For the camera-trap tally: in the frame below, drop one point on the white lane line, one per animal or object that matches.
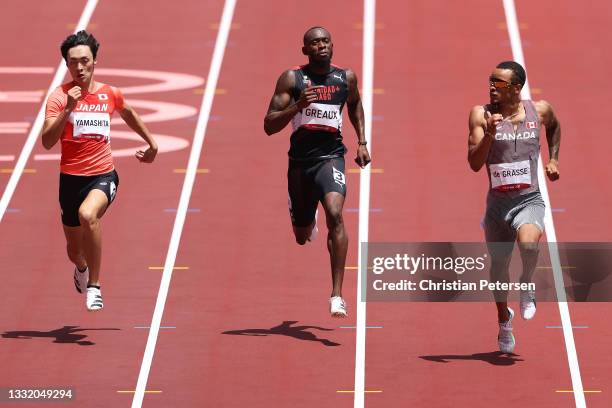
(570, 346)
(179, 221)
(369, 18)
(60, 73)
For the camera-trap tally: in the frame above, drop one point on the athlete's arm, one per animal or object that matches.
(482, 133)
(553, 137)
(281, 111)
(355, 112)
(131, 118)
(54, 126)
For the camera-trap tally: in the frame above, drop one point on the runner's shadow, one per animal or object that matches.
(66, 334)
(494, 357)
(286, 328)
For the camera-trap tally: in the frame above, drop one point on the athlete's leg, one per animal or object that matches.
(500, 272)
(90, 212)
(74, 246)
(528, 238)
(337, 240)
(500, 241)
(302, 202)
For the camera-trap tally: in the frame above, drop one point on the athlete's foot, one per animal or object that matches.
(80, 279)
(315, 231)
(94, 298)
(528, 304)
(337, 307)
(505, 338)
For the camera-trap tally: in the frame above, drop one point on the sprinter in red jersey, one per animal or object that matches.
(78, 114)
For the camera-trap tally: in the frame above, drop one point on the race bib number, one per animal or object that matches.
(339, 176)
(320, 116)
(510, 176)
(93, 125)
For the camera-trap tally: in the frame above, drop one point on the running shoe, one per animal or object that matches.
(505, 338)
(528, 304)
(337, 307)
(80, 279)
(94, 299)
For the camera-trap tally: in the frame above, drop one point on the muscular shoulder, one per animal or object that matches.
(545, 111)
(477, 115)
(351, 77)
(542, 106)
(286, 80)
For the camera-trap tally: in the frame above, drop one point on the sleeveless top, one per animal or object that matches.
(317, 129)
(512, 163)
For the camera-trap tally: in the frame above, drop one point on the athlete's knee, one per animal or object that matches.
(334, 218)
(88, 218)
(529, 234)
(529, 248)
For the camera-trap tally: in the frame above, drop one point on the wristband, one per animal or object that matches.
(362, 143)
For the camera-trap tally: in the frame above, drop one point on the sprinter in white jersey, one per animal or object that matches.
(505, 136)
(311, 97)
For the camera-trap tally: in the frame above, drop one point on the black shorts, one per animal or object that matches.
(74, 189)
(309, 182)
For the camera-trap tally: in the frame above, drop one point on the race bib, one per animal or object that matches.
(93, 125)
(320, 116)
(510, 176)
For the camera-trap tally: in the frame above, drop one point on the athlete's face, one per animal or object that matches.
(80, 63)
(501, 88)
(318, 45)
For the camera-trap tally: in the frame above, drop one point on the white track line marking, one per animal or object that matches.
(369, 18)
(60, 73)
(572, 357)
(179, 221)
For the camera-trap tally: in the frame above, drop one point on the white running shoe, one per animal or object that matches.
(81, 279)
(337, 307)
(315, 231)
(505, 338)
(94, 299)
(528, 304)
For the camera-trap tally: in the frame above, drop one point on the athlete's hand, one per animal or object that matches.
(552, 170)
(74, 95)
(492, 122)
(308, 96)
(147, 156)
(363, 156)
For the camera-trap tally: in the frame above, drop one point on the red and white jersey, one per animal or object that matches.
(85, 140)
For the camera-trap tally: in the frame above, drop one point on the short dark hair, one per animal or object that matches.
(518, 72)
(80, 38)
(314, 28)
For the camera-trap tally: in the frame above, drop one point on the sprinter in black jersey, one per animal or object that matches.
(311, 97)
